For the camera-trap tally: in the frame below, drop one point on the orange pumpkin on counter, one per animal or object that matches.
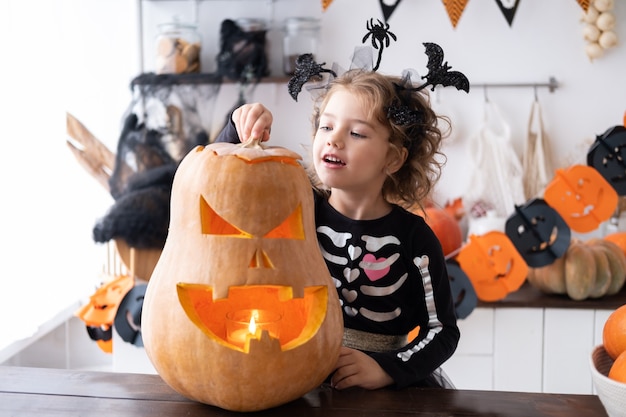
(242, 242)
(619, 238)
(444, 225)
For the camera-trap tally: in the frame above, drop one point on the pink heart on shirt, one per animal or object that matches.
(375, 274)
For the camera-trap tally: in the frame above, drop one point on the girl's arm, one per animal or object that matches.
(439, 334)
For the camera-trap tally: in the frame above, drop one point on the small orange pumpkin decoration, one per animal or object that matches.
(444, 225)
(619, 238)
(242, 241)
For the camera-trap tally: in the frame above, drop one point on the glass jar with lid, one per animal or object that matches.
(243, 50)
(178, 46)
(301, 36)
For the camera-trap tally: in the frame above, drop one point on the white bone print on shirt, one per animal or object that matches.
(373, 244)
(434, 325)
(374, 268)
(339, 240)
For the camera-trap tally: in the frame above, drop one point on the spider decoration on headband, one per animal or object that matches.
(400, 114)
(380, 38)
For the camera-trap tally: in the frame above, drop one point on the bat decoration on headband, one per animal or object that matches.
(439, 71)
(306, 69)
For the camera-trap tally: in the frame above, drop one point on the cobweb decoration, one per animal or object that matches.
(169, 115)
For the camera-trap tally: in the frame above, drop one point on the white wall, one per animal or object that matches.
(80, 55)
(58, 56)
(545, 40)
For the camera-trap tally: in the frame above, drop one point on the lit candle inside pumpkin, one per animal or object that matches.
(244, 324)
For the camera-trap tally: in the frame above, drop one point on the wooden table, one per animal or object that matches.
(55, 392)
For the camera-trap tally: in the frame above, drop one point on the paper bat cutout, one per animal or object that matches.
(439, 72)
(538, 232)
(582, 197)
(306, 69)
(493, 265)
(608, 156)
(463, 293)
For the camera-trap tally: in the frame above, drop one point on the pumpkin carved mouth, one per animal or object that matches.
(300, 320)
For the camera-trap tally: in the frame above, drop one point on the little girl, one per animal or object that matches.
(375, 149)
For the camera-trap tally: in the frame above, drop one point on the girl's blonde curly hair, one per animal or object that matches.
(422, 137)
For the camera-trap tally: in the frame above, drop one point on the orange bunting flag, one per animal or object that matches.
(584, 4)
(325, 4)
(455, 9)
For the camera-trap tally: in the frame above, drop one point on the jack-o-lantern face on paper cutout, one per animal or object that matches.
(493, 265)
(242, 242)
(538, 232)
(607, 156)
(582, 197)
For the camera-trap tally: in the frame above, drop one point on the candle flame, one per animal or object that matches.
(252, 325)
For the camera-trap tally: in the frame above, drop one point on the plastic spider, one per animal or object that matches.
(381, 37)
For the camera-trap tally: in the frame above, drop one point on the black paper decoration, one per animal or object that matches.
(463, 293)
(508, 9)
(128, 317)
(607, 155)
(388, 9)
(538, 232)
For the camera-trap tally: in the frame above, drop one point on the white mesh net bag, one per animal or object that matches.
(496, 176)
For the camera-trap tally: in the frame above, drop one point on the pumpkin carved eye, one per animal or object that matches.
(214, 224)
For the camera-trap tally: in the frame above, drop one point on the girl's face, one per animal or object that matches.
(351, 151)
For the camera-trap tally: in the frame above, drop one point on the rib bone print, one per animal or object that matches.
(364, 263)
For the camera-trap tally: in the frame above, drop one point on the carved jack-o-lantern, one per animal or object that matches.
(241, 311)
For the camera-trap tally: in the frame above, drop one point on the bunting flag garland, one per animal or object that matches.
(325, 4)
(584, 4)
(388, 7)
(455, 9)
(508, 9)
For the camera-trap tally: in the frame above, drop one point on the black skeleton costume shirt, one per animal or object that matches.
(390, 276)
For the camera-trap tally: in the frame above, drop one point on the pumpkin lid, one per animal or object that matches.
(252, 150)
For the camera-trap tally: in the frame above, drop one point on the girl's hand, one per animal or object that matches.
(253, 121)
(356, 369)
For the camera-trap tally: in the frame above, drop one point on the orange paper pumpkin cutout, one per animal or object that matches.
(325, 4)
(102, 305)
(493, 265)
(99, 313)
(582, 197)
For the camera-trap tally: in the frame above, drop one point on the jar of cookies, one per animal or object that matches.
(178, 47)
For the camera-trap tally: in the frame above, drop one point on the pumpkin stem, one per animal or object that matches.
(254, 143)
